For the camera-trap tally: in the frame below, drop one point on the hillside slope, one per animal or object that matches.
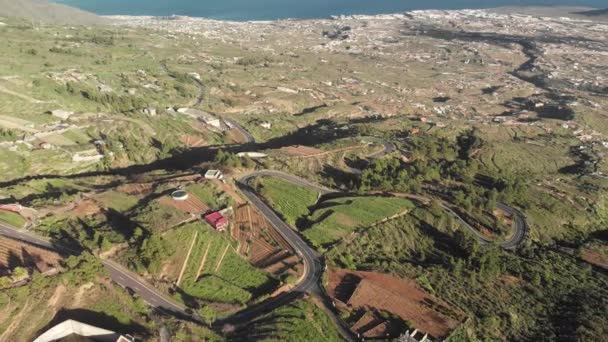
(48, 12)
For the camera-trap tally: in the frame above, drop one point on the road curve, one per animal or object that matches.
(520, 225)
(313, 265)
(119, 274)
(249, 139)
(310, 282)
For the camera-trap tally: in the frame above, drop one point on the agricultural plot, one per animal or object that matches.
(116, 200)
(57, 161)
(214, 272)
(300, 151)
(209, 194)
(55, 139)
(77, 136)
(509, 157)
(290, 201)
(193, 141)
(339, 217)
(12, 164)
(157, 216)
(14, 253)
(262, 245)
(192, 205)
(596, 254)
(401, 297)
(565, 220)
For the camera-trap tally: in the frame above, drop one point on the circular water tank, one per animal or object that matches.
(179, 195)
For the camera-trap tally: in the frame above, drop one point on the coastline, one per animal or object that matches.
(565, 12)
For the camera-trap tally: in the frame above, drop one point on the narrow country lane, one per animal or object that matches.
(118, 274)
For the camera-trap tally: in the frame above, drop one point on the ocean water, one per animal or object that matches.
(280, 9)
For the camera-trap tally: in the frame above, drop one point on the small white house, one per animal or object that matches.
(266, 125)
(62, 114)
(214, 174)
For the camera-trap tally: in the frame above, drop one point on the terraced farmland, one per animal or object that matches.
(291, 201)
(339, 217)
(214, 272)
(262, 245)
(15, 253)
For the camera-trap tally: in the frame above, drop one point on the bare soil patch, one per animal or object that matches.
(192, 205)
(595, 258)
(85, 208)
(301, 151)
(193, 141)
(136, 188)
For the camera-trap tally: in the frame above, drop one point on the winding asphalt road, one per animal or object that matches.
(310, 283)
(119, 274)
(249, 139)
(313, 265)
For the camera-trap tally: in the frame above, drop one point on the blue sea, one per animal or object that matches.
(243, 10)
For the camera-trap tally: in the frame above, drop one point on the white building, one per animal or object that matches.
(62, 114)
(214, 174)
(87, 156)
(71, 330)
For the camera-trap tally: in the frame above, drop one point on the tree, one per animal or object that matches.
(5, 282)
(536, 280)
(152, 250)
(492, 200)
(208, 314)
(227, 159)
(468, 142)
(489, 264)
(20, 273)
(457, 268)
(105, 244)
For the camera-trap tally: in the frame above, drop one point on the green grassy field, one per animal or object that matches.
(77, 136)
(12, 219)
(12, 164)
(340, 217)
(408, 238)
(209, 194)
(158, 217)
(289, 200)
(117, 201)
(524, 157)
(564, 221)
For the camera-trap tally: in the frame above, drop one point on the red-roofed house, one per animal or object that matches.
(217, 221)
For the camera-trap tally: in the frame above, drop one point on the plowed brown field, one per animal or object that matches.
(192, 205)
(301, 151)
(402, 297)
(260, 243)
(193, 141)
(16, 253)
